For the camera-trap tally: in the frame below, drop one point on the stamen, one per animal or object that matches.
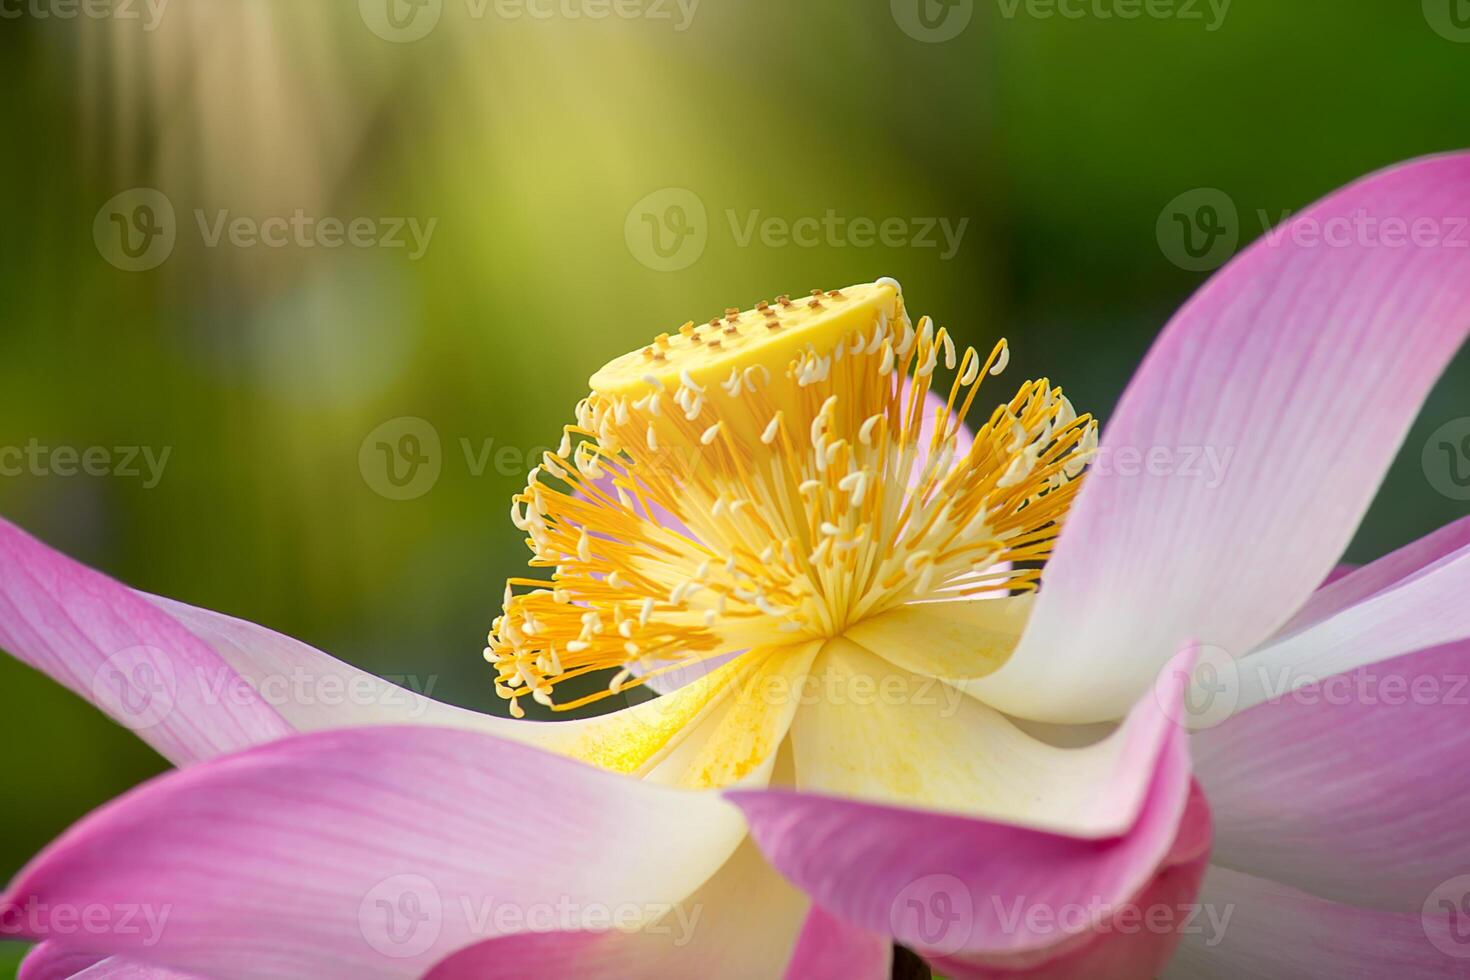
(777, 541)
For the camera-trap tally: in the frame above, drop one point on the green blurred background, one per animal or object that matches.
(547, 150)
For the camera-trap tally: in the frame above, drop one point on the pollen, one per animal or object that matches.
(807, 470)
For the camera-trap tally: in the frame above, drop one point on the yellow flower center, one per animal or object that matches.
(774, 476)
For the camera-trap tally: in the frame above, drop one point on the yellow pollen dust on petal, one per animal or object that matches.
(772, 477)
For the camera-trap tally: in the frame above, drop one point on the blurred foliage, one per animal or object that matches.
(263, 370)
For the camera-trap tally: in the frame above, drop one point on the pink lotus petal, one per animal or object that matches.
(1359, 584)
(742, 923)
(942, 883)
(1353, 790)
(1426, 608)
(313, 690)
(50, 961)
(1135, 939)
(549, 955)
(370, 852)
(117, 968)
(830, 949)
(136, 663)
(1253, 927)
(1306, 364)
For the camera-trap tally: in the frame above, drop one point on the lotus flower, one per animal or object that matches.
(880, 744)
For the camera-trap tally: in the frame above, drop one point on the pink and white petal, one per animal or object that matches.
(1254, 927)
(1289, 354)
(1352, 789)
(1134, 939)
(136, 663)
(50, 961)
(1350, 585)
(831, 949)
(871, 730)
(883, 868)
(313, 690)
(112, 968)
(1426, 608)
(370, 852)
(741, 923)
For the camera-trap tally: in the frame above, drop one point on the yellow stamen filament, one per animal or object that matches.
(803, 484)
